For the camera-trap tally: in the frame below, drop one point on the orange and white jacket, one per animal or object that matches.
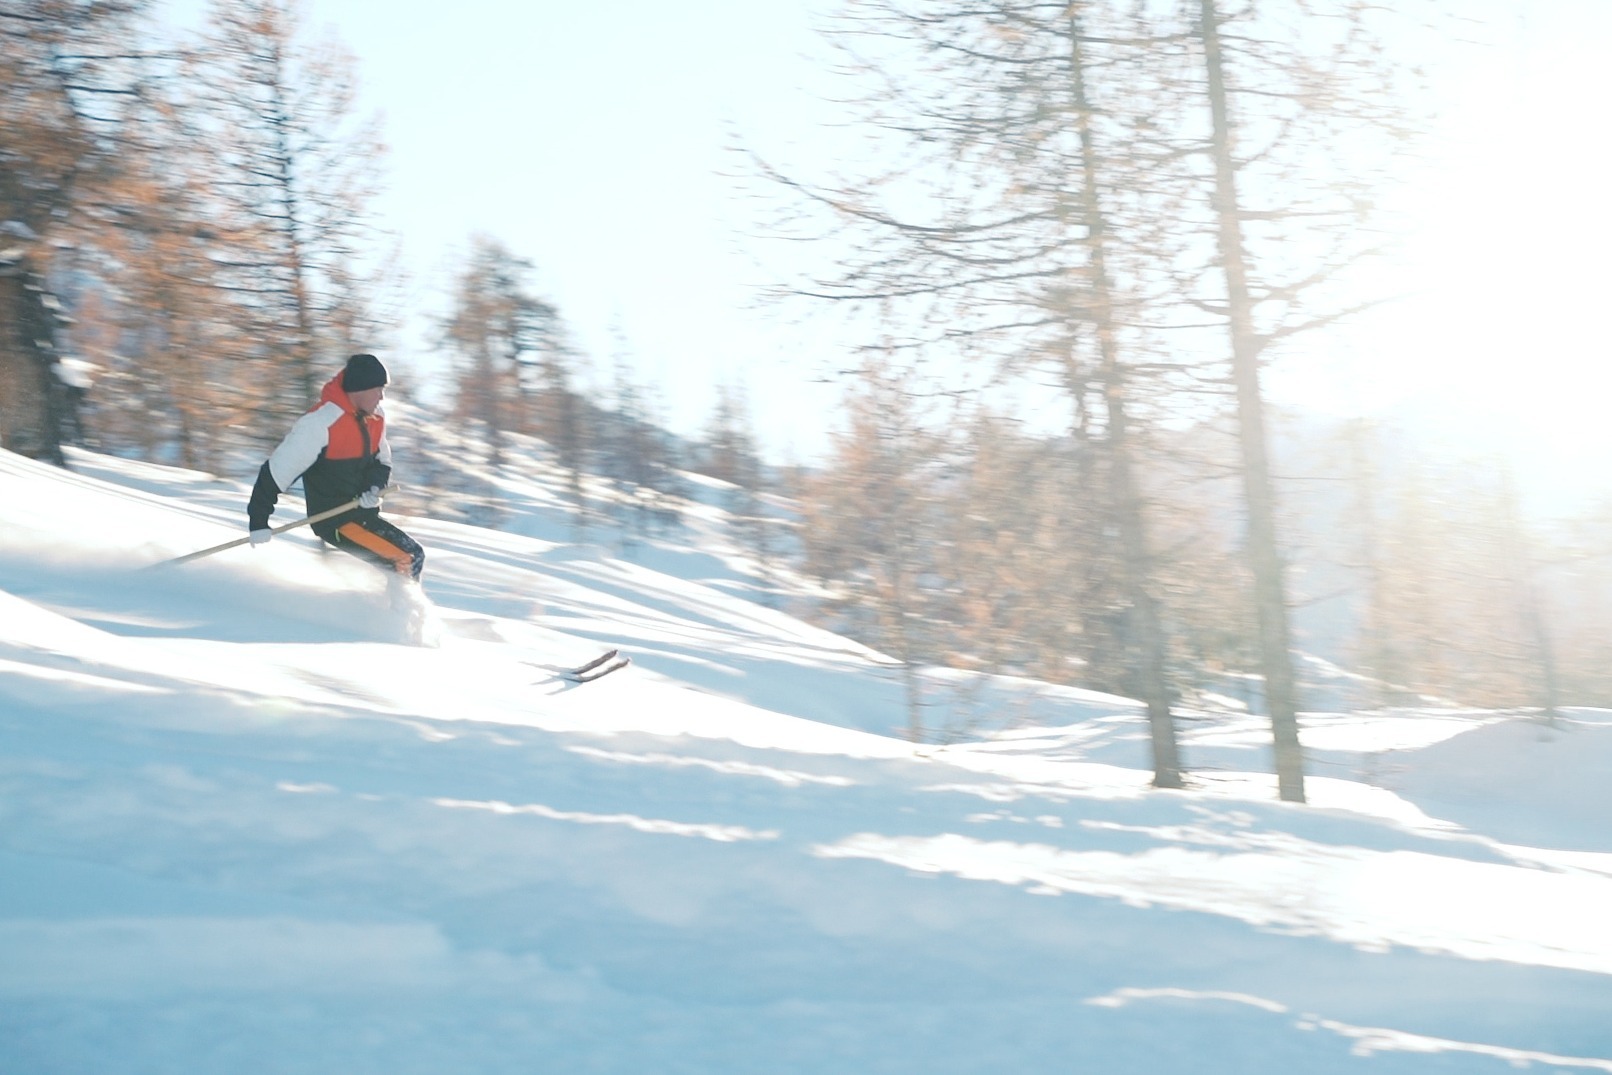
(336, 451)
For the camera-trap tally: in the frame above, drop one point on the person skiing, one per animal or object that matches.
(339, 450)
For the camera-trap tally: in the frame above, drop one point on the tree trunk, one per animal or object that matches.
(1535, 623)
(1145, 634)
(1270, 591)
(33, 404)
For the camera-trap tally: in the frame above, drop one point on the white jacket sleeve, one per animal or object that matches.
(301, 447)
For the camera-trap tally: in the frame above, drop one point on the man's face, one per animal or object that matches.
(368, 399)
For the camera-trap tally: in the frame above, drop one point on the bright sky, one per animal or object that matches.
(592, 139)
(1502, 340)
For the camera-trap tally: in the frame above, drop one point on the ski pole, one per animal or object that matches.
(321, 517)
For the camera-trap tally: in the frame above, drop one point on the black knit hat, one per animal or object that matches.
(363, 371)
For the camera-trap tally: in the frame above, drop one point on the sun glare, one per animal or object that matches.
(1495, 336)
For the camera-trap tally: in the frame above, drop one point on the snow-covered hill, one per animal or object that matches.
(244, 829)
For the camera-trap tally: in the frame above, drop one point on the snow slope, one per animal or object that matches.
(243, 828)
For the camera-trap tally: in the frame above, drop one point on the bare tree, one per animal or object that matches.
(515, 362)
(562, 420)
(498, 332)
(294, 170)
(61, 61)
(633, 448)
(869, 527)
(1006, 236)
(1294, 106)
(152, 312)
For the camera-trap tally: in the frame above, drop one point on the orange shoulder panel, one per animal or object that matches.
(347, 440)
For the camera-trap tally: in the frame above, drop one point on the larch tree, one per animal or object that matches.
(1003, 238)
(869, 524)
(514, 360)
(729, 453)
(1463, 609)
(61, 61)
(153, 312)
(498, 331)
(1004, 560)
(1296, 109)
(1524, 574)
(294, 169)
(562, 419)
(634, 449)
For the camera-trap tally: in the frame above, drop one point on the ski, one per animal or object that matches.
(583, 669)
(597, 670)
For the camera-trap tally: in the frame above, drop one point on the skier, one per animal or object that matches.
(339, 450)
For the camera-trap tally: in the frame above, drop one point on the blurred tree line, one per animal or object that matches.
(1128, 208)
(197, 210)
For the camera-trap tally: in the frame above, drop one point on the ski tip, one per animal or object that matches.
(591, 674)
(604, 658)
